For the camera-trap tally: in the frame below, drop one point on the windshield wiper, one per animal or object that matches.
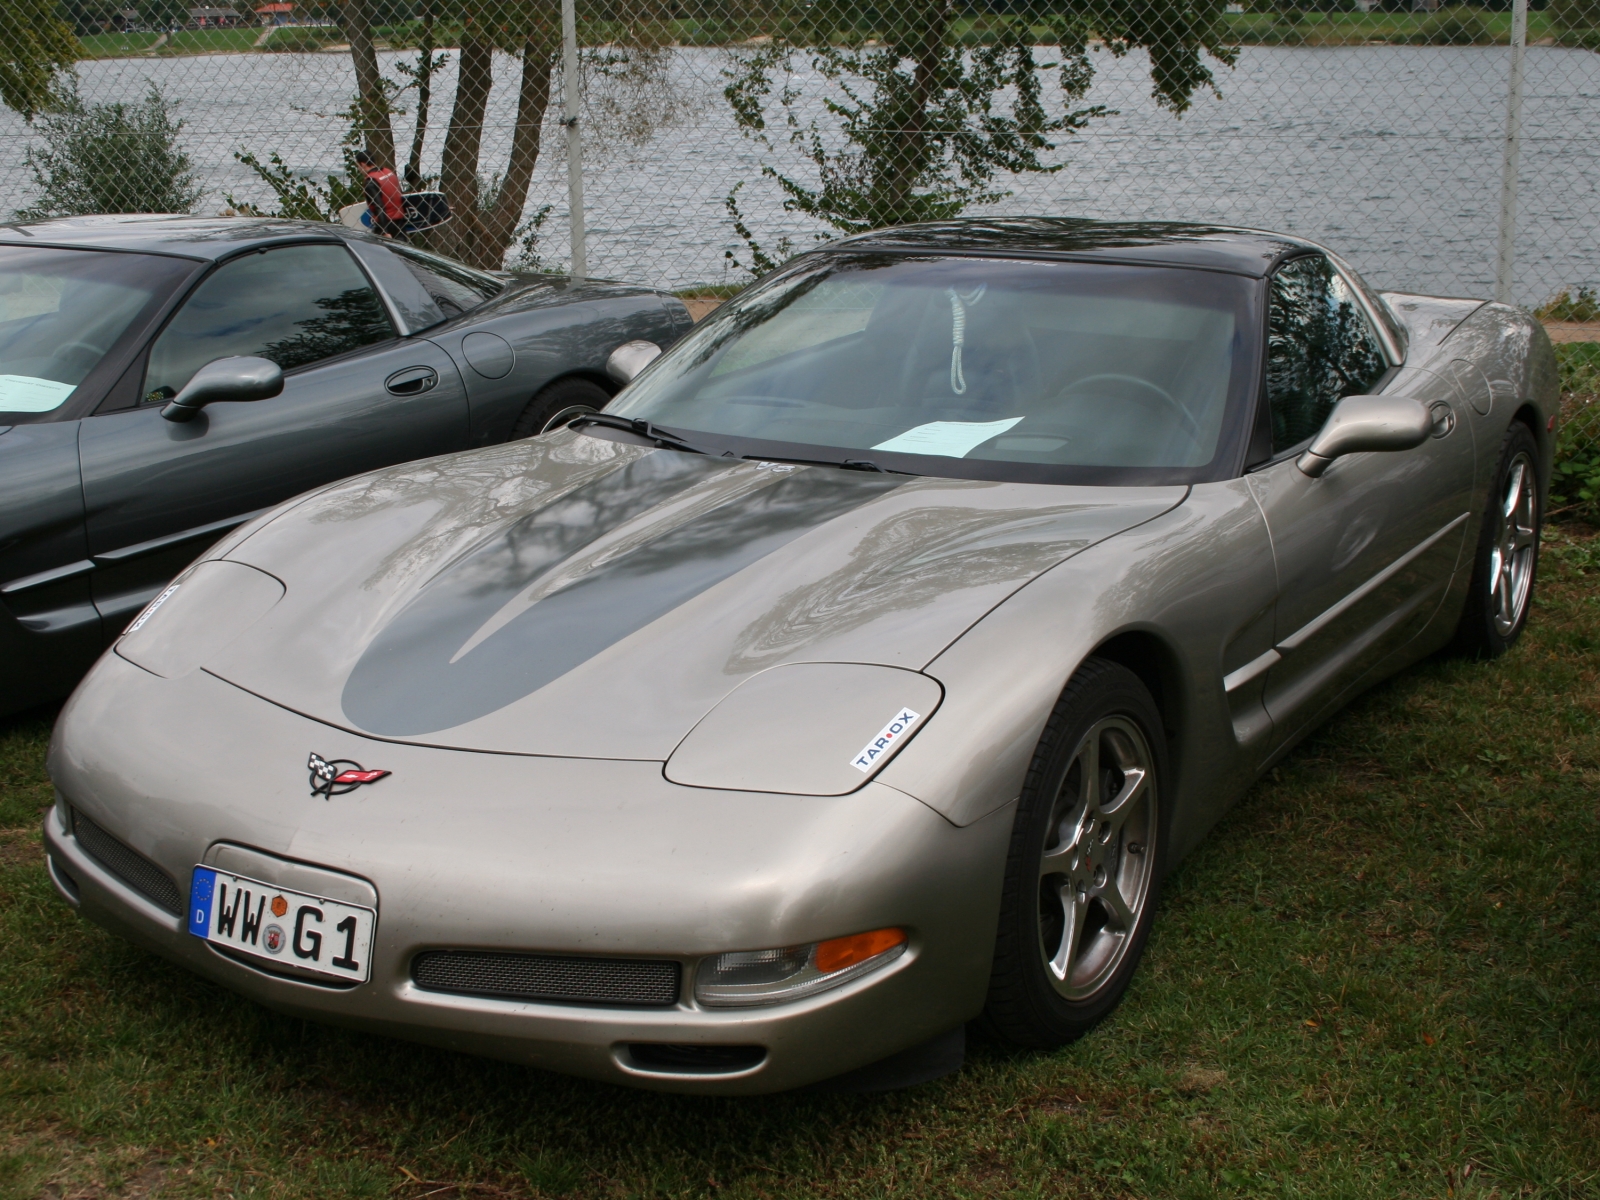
(844, 464)
(633, 425)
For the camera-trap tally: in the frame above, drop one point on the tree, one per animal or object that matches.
(922, 123)
(35, 47)
(110, 158)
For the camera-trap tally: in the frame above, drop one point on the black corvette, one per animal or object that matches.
(375, 353)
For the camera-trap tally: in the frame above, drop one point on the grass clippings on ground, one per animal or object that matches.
(1377, 978)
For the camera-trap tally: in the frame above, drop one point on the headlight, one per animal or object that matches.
(772, 976)
(197, 616)
(806, 729)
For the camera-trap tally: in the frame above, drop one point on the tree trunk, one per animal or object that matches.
(372, 106)
(539, 59)
(910, 140)
(424, 94)
(463, 143)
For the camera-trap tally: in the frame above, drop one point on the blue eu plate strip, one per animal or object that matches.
(200, 889)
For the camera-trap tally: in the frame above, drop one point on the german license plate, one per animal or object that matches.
(280, 925)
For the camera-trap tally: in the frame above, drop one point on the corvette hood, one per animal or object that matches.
(580, 597)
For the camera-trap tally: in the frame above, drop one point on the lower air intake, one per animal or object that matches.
(637, 983)
(127, 864)
(681, 1058)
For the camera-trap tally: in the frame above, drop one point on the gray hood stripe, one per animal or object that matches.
(405, 683)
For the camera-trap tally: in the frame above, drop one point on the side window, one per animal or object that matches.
(294, 305)
(455, 287)
(1319, 349)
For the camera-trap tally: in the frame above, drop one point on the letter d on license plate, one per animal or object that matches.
(278, 925)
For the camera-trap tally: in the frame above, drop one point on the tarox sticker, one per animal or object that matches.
(150, 609)
(890, 736)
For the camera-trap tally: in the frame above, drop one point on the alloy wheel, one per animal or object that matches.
(1098, 859)
(1511, 560)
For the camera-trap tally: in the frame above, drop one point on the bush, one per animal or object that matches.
(1455, 27)
(1573, 21)
(1585, 306)
(1575, 474)
(110, 158)
(302, 39)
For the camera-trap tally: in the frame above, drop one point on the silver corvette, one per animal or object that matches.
(856, 674)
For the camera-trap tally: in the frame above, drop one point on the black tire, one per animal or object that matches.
(1031, 1004)
(558, 403)
(1506, 561)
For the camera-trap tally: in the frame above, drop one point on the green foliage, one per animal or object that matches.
(300, 197)
(1585, 306)
(926, 112)
(1575, 22)
(35, 47)
(1575, 471)
(1454, 27)
(302, 39)
(110, 158)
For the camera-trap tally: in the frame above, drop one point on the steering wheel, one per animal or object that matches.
(1190, 426)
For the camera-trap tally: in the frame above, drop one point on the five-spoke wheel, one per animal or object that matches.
(1507, 557)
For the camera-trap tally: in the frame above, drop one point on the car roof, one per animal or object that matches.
(203, 238)
(1250, 252)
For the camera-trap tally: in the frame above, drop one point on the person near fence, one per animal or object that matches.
(385, 201)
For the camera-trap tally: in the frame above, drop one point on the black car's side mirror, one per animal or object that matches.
(238, 378)
(1364, 423)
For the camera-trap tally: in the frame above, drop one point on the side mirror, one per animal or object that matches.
(628, 359)
(235, 379)
(1365, 423)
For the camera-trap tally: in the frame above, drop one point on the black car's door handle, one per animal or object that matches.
(413, 381)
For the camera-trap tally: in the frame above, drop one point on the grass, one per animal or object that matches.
(1376, 978)
(115, 45)
(211, 41)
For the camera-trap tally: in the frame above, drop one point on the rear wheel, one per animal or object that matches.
(559, 403)
(1507, 556)
(1083, 872)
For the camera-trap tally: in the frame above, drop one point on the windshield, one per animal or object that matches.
(979, 368)
(61, 311)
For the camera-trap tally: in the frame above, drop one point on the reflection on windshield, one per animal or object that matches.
(60, 312)
(1054, 364)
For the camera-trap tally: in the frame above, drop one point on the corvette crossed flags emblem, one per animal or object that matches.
(339, 776)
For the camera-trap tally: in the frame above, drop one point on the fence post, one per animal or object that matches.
(1513, 145)
(569, 88)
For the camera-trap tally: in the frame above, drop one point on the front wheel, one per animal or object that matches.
(1507, 557)
(1084, 868)
(561, 402)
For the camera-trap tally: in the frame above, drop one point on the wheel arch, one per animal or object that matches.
(1528, 415)
(1154, 660)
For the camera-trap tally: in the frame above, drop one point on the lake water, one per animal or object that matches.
(1391, 155)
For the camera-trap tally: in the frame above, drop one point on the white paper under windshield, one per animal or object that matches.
(953, 439)
(26, 393)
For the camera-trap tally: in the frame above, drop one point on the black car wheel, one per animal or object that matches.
(559, 403)
(1084, 868)
(1507, 557)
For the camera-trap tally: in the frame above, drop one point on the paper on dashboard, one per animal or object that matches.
(26, 393)
(953, 439)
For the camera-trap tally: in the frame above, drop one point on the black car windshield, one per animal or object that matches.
(61, 312)
(1047, 371)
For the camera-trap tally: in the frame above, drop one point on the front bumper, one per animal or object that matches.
(539, 855)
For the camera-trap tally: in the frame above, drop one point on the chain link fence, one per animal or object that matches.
(1452, 149)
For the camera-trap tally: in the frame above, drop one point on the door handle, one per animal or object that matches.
(412, 381)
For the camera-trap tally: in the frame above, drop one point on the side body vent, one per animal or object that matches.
(636, 983)
(127, 864)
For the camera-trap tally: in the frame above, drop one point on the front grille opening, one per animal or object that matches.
(684, 1058)
(634, 983)
(127, 864)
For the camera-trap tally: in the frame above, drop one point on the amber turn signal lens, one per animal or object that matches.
(836, 954)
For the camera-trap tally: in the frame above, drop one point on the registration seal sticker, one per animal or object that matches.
(272, 939)
(890, 736)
